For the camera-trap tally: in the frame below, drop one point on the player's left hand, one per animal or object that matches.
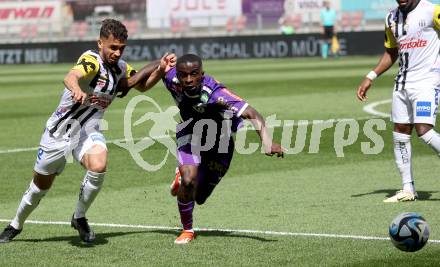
(276, 149)
(121, 92)
(122, 89)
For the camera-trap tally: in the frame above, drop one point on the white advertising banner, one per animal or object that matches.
(38, 13)
(309, 9)
(197, 13)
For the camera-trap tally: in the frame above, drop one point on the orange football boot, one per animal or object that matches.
(185, 237)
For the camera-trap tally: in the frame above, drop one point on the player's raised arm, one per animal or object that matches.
(165, 64)
(257, 120)
(71, 81)
(147, 76)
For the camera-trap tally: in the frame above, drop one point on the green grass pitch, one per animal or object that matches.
(304, 193)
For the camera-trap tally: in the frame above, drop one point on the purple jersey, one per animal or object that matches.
(215, 101)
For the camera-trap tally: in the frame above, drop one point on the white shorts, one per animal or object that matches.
(411, 106)
(53, 152)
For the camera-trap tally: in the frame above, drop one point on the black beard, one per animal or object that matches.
(192, 91)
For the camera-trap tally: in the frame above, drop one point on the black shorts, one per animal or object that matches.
(328, 32)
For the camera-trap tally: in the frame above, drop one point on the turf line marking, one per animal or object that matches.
(260, 232)
(371, 108)
(26, 149)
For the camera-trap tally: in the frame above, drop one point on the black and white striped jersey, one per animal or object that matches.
(415, 34)
(100, 81)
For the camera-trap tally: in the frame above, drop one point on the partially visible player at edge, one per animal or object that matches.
(411, 35)
(200, 97)
(90, 87)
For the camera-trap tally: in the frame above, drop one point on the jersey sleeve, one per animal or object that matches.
(436, 19)
(88, 65)
(229, 101)
(390, 40)
(168, 78)
(130, 71)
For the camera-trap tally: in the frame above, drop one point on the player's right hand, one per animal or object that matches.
(276, 149)
(78, 95)
(362, 89)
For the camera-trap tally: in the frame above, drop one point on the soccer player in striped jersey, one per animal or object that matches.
(90, 87)
(412, 37)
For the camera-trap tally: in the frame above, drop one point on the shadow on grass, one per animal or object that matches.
(423, 195)
(102, 238)
(214, 233)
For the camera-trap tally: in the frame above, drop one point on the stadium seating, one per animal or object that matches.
(29, 32)
(132, 26)
(351, 21)
(236, 24)
(179, 26)
(78, 29)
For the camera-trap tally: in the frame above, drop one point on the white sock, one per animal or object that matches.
(89, 189)
(31, 199)
(402, 155)
(432, 138)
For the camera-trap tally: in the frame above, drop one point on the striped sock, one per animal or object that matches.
(186, 214)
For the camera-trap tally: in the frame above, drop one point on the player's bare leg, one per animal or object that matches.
(174, 187)
(31, 198)
(185, 202)
(95, 161)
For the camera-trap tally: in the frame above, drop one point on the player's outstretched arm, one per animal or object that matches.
(257, 120)
(386, 61)
(147, 76)
(126, 84)
(167, 62)
(72, 84)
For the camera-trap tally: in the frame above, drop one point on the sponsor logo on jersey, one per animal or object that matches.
(60, 111)
(40, 153)
(100, 100)
(413, 43)
(423, 109)
(102, 81)
(204, 97)
(436, 69)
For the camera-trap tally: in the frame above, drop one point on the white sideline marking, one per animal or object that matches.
(370, 108)
(309, 122)
(274, 233)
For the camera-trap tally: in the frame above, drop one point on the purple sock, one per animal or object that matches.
(186, 214)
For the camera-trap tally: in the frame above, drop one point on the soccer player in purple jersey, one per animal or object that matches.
(204, 157)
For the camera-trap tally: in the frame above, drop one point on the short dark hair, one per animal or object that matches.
(189, 58)
(115, 28)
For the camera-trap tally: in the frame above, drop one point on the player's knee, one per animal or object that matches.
(97, 166)
(189, 176)
(43, 182)
(403, 128)
(188, 181)
(422, 129)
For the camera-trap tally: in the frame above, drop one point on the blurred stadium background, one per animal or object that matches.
(44, 23)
